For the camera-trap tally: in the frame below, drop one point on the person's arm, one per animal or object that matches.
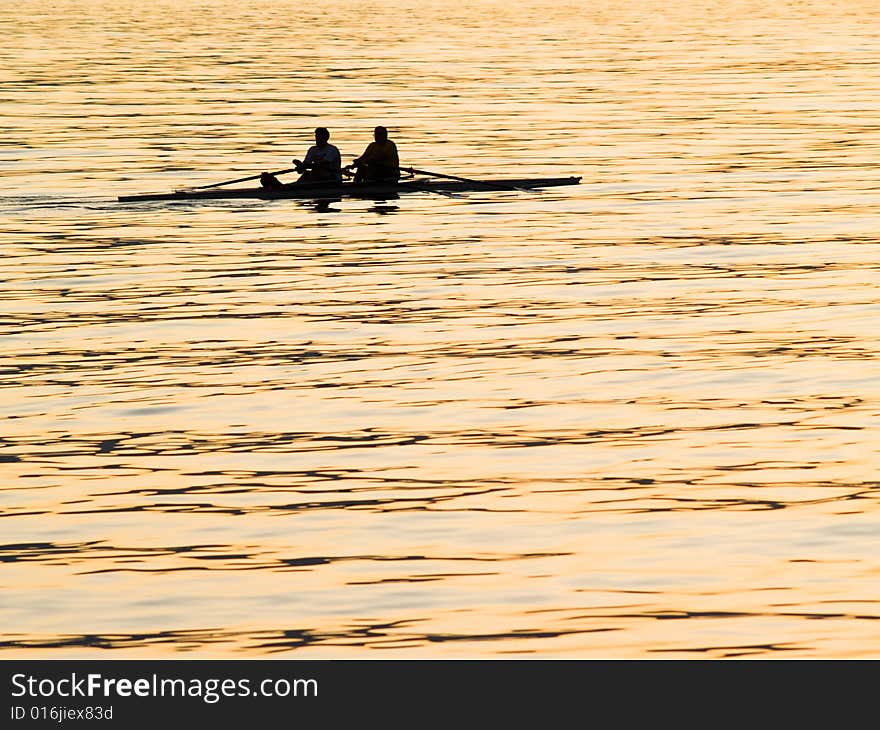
(367, 157)
(308, 162)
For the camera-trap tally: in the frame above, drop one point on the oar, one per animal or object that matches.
(415, 186)
(241, 179)
(426, 189)
(499, 186)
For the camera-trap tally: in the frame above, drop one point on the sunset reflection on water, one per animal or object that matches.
(630, 418)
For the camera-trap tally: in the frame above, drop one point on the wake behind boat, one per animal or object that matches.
(366, 190)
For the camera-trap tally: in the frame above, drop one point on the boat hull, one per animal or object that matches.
(369, 191)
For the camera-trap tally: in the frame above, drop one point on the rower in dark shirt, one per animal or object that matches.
(380, 162)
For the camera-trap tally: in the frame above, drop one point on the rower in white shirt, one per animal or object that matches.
(323, 163)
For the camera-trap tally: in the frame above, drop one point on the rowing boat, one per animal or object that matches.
(369, 191)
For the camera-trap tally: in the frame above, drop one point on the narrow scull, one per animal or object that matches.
(368, 191)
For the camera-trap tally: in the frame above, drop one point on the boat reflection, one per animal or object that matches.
(324, 205)
(384, 209)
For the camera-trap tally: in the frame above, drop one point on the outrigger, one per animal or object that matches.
(442, 184)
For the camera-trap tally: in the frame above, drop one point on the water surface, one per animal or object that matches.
(632, 418)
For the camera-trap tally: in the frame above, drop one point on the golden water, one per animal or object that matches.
(632, 418)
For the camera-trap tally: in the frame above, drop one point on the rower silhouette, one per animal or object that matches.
(380, 162)
(322, 163)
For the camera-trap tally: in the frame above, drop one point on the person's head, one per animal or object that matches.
(321, 135)
(380, 134)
